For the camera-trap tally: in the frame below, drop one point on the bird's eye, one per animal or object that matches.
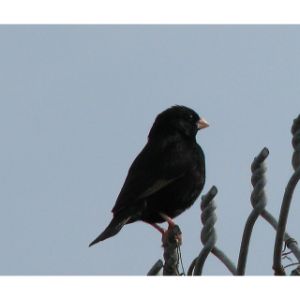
(191, 116)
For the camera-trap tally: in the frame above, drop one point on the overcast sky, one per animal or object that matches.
(76, 105)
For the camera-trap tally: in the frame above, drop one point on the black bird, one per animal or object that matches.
(166, 177)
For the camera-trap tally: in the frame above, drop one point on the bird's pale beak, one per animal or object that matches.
(202, 123)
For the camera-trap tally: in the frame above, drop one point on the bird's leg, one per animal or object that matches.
(157, 227)
(171, 226)
(167, 219)
(165, 233)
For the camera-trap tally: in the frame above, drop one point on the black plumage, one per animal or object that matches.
(166, 177)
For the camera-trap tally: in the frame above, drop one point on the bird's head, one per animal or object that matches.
(177, 119)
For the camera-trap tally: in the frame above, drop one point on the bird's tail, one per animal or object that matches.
(112, 229)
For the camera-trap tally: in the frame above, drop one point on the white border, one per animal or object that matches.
(149, 12)
(92, 287)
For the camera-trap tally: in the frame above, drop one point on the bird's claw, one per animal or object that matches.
(172, 235)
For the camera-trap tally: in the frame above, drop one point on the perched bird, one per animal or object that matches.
(166, 177)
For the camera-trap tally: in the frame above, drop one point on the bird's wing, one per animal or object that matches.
(153, 169)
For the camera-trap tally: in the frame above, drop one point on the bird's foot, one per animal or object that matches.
(172, 234)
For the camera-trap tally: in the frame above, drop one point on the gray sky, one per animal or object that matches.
(76, 106)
